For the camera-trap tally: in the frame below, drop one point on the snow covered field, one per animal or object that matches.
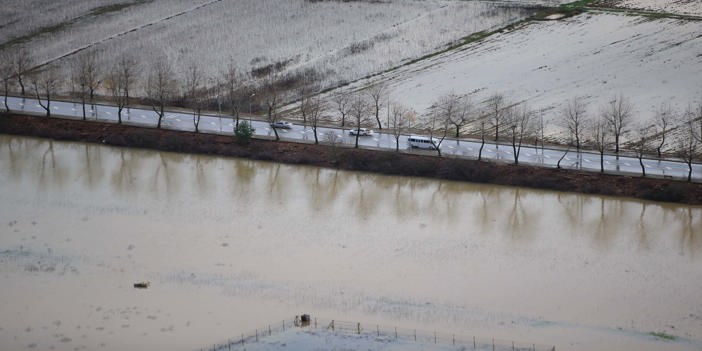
(682, 7)
(342, 41)
(596, 56)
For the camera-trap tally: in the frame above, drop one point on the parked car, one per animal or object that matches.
(361, 132)
(282, 125)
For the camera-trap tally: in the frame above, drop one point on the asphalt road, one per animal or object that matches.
(215, 124)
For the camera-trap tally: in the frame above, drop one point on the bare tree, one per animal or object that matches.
(495, 107)
(235, 91)
(341, 101)
(119, 79)
(398, 120)
(308, 96)
(271, 98)
(23, 64)
(600, 138)
(129, 69)
(463, 116)
(314, 108)
(689, 141)
(90, 73)
(358, 110)
(115, 87)
(618, 115)
(377, 94)
(520, 118)
(438, 124)
(6, 74)
(194, 92)
(643, 133)
(160, 87)
(78, 78)
(45, 84)
(664, 116)
(696, 113)
(483, 132)
(452, 109)
(574, 117)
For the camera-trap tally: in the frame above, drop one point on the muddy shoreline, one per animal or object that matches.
(383, 162)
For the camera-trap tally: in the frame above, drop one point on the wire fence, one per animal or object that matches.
(460, 341)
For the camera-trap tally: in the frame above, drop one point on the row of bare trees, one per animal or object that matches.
(156, 85)
(509, 122)
(515, 123)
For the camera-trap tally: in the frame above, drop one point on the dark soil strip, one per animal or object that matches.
(384, 162)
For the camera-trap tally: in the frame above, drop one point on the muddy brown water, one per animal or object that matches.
(231, 245)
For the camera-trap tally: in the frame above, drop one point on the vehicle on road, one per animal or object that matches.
(282, 125)
(422, 142)
(361, 132)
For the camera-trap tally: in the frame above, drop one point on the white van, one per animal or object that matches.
(421, 142)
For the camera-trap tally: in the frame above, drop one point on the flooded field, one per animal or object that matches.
(229, 245)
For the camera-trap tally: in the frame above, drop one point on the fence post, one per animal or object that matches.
(435, 337)
(229, 345)
(512, 345)
(377, 328)
(493, 344)
(415, 335)
(283, 324)
(474, 343)
(315, 322)
(358, 326)
(332, 325)
(395, 333)
(453, 339)
(269, 330)
(256, 335)
(242, 339)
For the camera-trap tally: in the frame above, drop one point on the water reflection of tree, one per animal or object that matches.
(16, 153)
(691, 231)
(278, 183)
(607, 223)
(362, 200)
(644, 240)
(123, 178)
(172, 179)
(574, 209)
(245, 172)
(489, 197)
(201, 176)
(325, 188)
(517, 221)
(94, 170)
(50, 170)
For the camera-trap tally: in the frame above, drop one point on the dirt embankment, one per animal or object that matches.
(384, 162)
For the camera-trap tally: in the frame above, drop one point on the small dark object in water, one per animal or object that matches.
(142, 285)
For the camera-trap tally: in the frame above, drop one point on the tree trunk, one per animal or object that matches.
(558, 165)
(377, 118)
(19, 79)
(480, 152)
(7, 107)
(643, 169)
(160, 116)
